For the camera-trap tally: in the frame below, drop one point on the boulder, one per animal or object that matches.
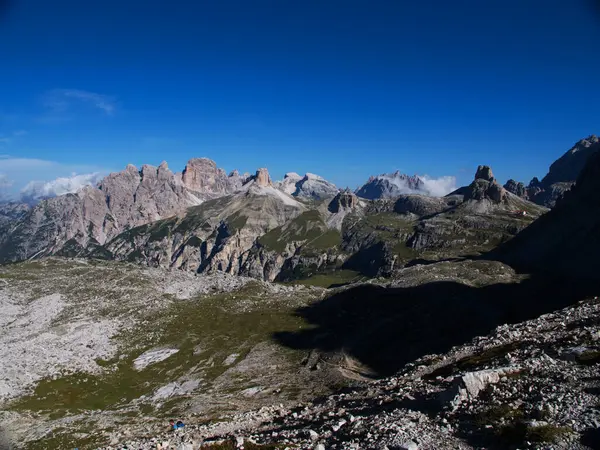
(469, 385)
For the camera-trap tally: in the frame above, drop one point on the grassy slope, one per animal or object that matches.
(216, 326)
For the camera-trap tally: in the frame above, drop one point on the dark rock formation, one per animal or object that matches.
(484, 187)
(517, 188)
(484, 173)
(344, 200)
(564, 241)
(563, 173)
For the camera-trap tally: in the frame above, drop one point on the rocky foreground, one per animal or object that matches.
(530, 385)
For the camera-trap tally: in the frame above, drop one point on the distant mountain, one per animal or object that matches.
(392, 185)
(121, 200)
(309, 186)
(561, 176)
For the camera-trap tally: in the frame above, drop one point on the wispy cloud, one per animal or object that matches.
(37, 190)
(7, 139)
(64, 100)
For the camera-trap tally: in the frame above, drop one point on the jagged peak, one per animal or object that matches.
(484, 173)
(262, 177)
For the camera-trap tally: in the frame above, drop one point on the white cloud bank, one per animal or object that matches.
(438, 187)
(37, 190)
(32, 179)
(435, 187)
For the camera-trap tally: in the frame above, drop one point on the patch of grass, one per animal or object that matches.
(236, 222)
(325, 241)
(589, 357)
(307, 227)
(520, 432)
(329, 279)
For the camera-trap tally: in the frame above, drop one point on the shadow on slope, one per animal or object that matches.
(386, 328)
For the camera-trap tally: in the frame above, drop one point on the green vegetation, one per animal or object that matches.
(236, 222)
(510, 427)
(214, 324)
(589, 357)
(330, 279)
(308, 226)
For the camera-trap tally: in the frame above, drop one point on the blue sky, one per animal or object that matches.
(344, 89)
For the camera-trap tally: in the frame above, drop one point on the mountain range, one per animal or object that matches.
(206, 220)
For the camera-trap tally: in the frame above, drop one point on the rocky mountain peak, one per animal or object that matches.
(345, 199)
(484, 187)
(484, 173)
(517, 188)
(391, 185)
(262, 177)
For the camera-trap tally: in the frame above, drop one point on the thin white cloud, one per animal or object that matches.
(37, 190)
(63, 100)
(33, 177)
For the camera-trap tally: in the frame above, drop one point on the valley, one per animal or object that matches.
(293, 314)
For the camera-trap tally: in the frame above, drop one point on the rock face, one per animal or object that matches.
(561, 176)
(309, 186)
(390, 186)
(564, 241)
(517, 188)
(121, 201)
(484, 173)
(316, 187)
(262, 178)
(288, 184)
(344, 200)
(203, 176)
(484, 187)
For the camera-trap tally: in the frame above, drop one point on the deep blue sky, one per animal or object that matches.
(344, 89)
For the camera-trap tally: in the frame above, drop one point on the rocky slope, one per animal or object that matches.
(571, 227)
(122, 200)
(391, 185)
(215, 236)
(110, 344)
(561, 176)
